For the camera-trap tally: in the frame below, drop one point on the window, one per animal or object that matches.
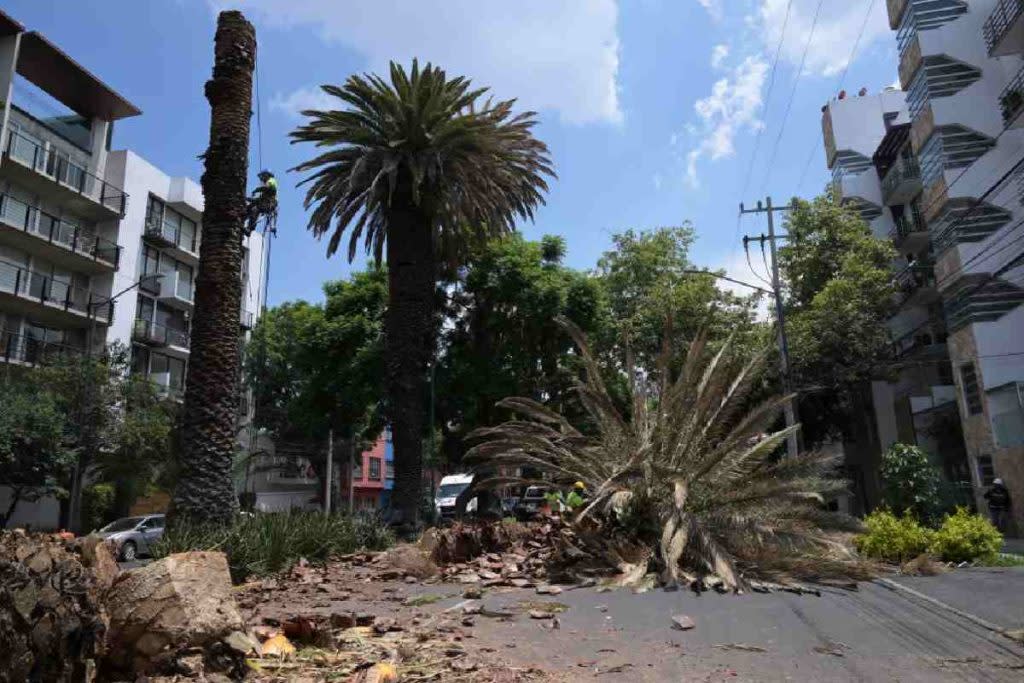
(145, 308)
(390, 467)
(986, 473)
(154, 213)
(375, 469)
(140, 360)
(357, 471)
(184, 282)
(969, 381)
(188, 235)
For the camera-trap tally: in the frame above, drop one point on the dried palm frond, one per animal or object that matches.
(691, 454)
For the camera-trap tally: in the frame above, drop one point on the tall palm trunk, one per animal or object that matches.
(205, 491)
(408, 328)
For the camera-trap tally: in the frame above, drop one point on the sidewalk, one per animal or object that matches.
(1013, 545)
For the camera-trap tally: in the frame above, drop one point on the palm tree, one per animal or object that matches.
(205, 490)
(422, 168)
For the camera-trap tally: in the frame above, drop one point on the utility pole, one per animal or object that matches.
(330, 472)
(792, 447)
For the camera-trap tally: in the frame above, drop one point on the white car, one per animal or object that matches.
(448, 492)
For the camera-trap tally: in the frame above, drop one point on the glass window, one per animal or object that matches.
(375, 469)
(184, 282)
(390, 467)
(140, 360)
(188, 235)
(177, 370)
(145, 308)
(986, 473)
(154, 212)
(972, 397)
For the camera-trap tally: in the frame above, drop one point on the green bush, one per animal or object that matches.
(97, 506)
(964, 537)
(892, 538)
(910, 482)
(268, 543)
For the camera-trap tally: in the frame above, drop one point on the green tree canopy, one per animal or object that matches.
(838, 298)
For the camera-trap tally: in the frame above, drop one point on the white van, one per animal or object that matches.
(447, 493)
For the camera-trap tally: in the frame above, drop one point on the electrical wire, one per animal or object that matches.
(746, 248)
(767, 98)
(838, 88)
(792, 95)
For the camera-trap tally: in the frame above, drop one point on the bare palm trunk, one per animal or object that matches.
(205, 491)
(408, 328)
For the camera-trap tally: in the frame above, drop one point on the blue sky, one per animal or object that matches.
(650, 107)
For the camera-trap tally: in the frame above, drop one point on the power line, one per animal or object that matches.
(764, 104)
(792, 95)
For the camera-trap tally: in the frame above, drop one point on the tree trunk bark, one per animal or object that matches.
(205, 491)
(408, 332)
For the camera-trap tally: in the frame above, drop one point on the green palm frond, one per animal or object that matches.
(693, 448)
(471, 167)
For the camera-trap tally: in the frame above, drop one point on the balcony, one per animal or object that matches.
(50, 301)
(155, 334)
(64, 243)
(1011, 102)
(895, 9)
(1004, 29)
(164, 234)
(910, 233)
(929, 339)
(915, 284)
(902, 182)
(44, 168)
(248, 320)
(176, 291)
(20, 349)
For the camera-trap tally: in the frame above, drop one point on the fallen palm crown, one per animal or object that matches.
(688, 483)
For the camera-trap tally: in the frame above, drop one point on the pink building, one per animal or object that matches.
(368, 478)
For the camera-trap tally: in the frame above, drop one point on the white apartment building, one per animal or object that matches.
(935, 168)
(80, 224)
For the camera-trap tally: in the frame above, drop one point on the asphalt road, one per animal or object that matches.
(993, 594)
(874, 634)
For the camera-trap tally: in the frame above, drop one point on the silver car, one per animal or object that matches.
(133, 536)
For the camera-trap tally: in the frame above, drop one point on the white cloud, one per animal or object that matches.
(559, 55)
(718, 55)
(838, 25)
(714, 7)
(302, 99)
(733, 105)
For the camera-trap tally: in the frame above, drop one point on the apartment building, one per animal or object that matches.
(935, 168)
(96, 246)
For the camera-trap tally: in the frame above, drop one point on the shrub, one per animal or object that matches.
(910, 483)
(964, 537)
(262, 544)
(97, 506)
(892, 538)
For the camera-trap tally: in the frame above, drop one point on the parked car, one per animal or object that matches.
(448, 492)
(133, 536)
(533, 501)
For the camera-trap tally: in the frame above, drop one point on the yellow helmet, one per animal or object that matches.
(579, 485)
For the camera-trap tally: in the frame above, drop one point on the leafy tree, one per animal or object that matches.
(647, 279)
(838, 297)
(421, 166)
(502, 339)
(33, 457)
(910, 483)
(120, 428)
(316, 367)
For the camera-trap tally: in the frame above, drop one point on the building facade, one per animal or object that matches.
(937, 168)
(96, 246)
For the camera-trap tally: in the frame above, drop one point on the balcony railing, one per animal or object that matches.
(1011, 100)
(916, 276)
(902, 174)
(906, 224)
(49, 291)
(171, 235)
(920, 339)
(20, 348)
(48, 161)
(162, 335)
(35, 221)
(999, 22)
(248, 320)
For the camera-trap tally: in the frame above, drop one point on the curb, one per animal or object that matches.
(995, 628)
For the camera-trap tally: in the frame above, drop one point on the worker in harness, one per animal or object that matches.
(263, 204)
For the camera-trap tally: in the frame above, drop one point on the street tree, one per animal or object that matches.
(418, 168)
(34, 460)
(838, 297)
(205, 490)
